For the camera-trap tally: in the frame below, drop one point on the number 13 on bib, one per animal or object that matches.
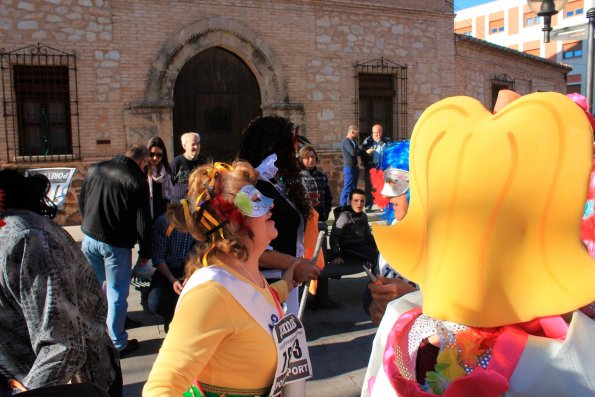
(293, 359)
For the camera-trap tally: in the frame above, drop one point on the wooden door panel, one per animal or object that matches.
(217, 95)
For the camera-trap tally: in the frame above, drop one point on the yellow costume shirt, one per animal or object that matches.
(212, 338)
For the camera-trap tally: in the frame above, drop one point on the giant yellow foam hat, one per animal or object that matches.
(492, 235)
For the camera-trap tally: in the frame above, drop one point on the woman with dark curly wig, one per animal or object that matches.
(220, 340)
(268, 144)
(53, 312)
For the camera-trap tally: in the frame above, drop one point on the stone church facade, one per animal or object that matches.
(83, 79)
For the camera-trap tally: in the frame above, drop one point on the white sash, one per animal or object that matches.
(243, 292)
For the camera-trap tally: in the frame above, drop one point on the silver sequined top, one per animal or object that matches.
(52, 311)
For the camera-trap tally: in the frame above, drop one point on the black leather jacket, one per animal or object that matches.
(367, 144)
(114, 204)
(350, 230)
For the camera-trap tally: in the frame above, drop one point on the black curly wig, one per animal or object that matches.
(274, 134)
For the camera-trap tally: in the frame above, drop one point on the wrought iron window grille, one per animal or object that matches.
(501, 82)
(40, 104)
(381, 97)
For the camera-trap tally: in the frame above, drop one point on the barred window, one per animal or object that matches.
(43, 115)
(501, 82)
(40, 104)
(381, 97)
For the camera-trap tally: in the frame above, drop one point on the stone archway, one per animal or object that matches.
(217, 95)
(153, 116)
(217, 32)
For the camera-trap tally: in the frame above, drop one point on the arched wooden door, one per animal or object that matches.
(217, 95)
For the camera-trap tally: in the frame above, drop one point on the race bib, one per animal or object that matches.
(293, 361)
(386, 271)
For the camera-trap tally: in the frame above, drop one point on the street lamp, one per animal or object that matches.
(545, 9)
(590, 57)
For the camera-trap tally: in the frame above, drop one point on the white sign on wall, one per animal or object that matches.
(60, 179)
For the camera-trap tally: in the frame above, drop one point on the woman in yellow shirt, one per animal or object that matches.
(220, 341)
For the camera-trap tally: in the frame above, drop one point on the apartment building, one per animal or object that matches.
(512, 24)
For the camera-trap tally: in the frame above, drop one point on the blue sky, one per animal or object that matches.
(461, 4)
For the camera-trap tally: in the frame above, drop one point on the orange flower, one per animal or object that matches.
(469, 344)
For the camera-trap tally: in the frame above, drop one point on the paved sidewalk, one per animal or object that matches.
(339, 340)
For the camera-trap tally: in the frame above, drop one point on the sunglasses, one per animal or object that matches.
(158, 155)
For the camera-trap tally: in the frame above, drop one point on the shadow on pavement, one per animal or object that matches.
(349, 317)
(340, 340)
(134, 389)
(329, 328)
(334, 359)
(147, 347)
(146, 318)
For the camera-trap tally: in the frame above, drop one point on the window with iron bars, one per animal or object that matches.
(501, 82)
(40, 105)
(381, 98)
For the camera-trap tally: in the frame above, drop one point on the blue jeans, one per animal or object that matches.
(114, 266)
(350, 176)
(368, 185)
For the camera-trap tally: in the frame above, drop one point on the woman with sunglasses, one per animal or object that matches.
(220, 340)
(160, 177)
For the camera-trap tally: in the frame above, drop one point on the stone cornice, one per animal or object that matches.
(487, 44)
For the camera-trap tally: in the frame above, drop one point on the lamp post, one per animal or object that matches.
(590, 57)
(545, 9)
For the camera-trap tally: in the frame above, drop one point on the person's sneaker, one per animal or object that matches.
(130, 323)
(132, 345)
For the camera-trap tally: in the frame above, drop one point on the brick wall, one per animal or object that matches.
(478, 62)
(302, 54)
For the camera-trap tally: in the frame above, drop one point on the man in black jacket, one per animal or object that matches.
(371, 154)
(351, 237)
(114, 205)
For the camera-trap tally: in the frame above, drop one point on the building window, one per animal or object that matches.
(572, 50)
(573, 89)
(532, 48)
(576, 12)
(533, 51)
(573, 9)
(530, 19)
(40, 104)
(501, 82)
(497, 26)
(381, 97)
